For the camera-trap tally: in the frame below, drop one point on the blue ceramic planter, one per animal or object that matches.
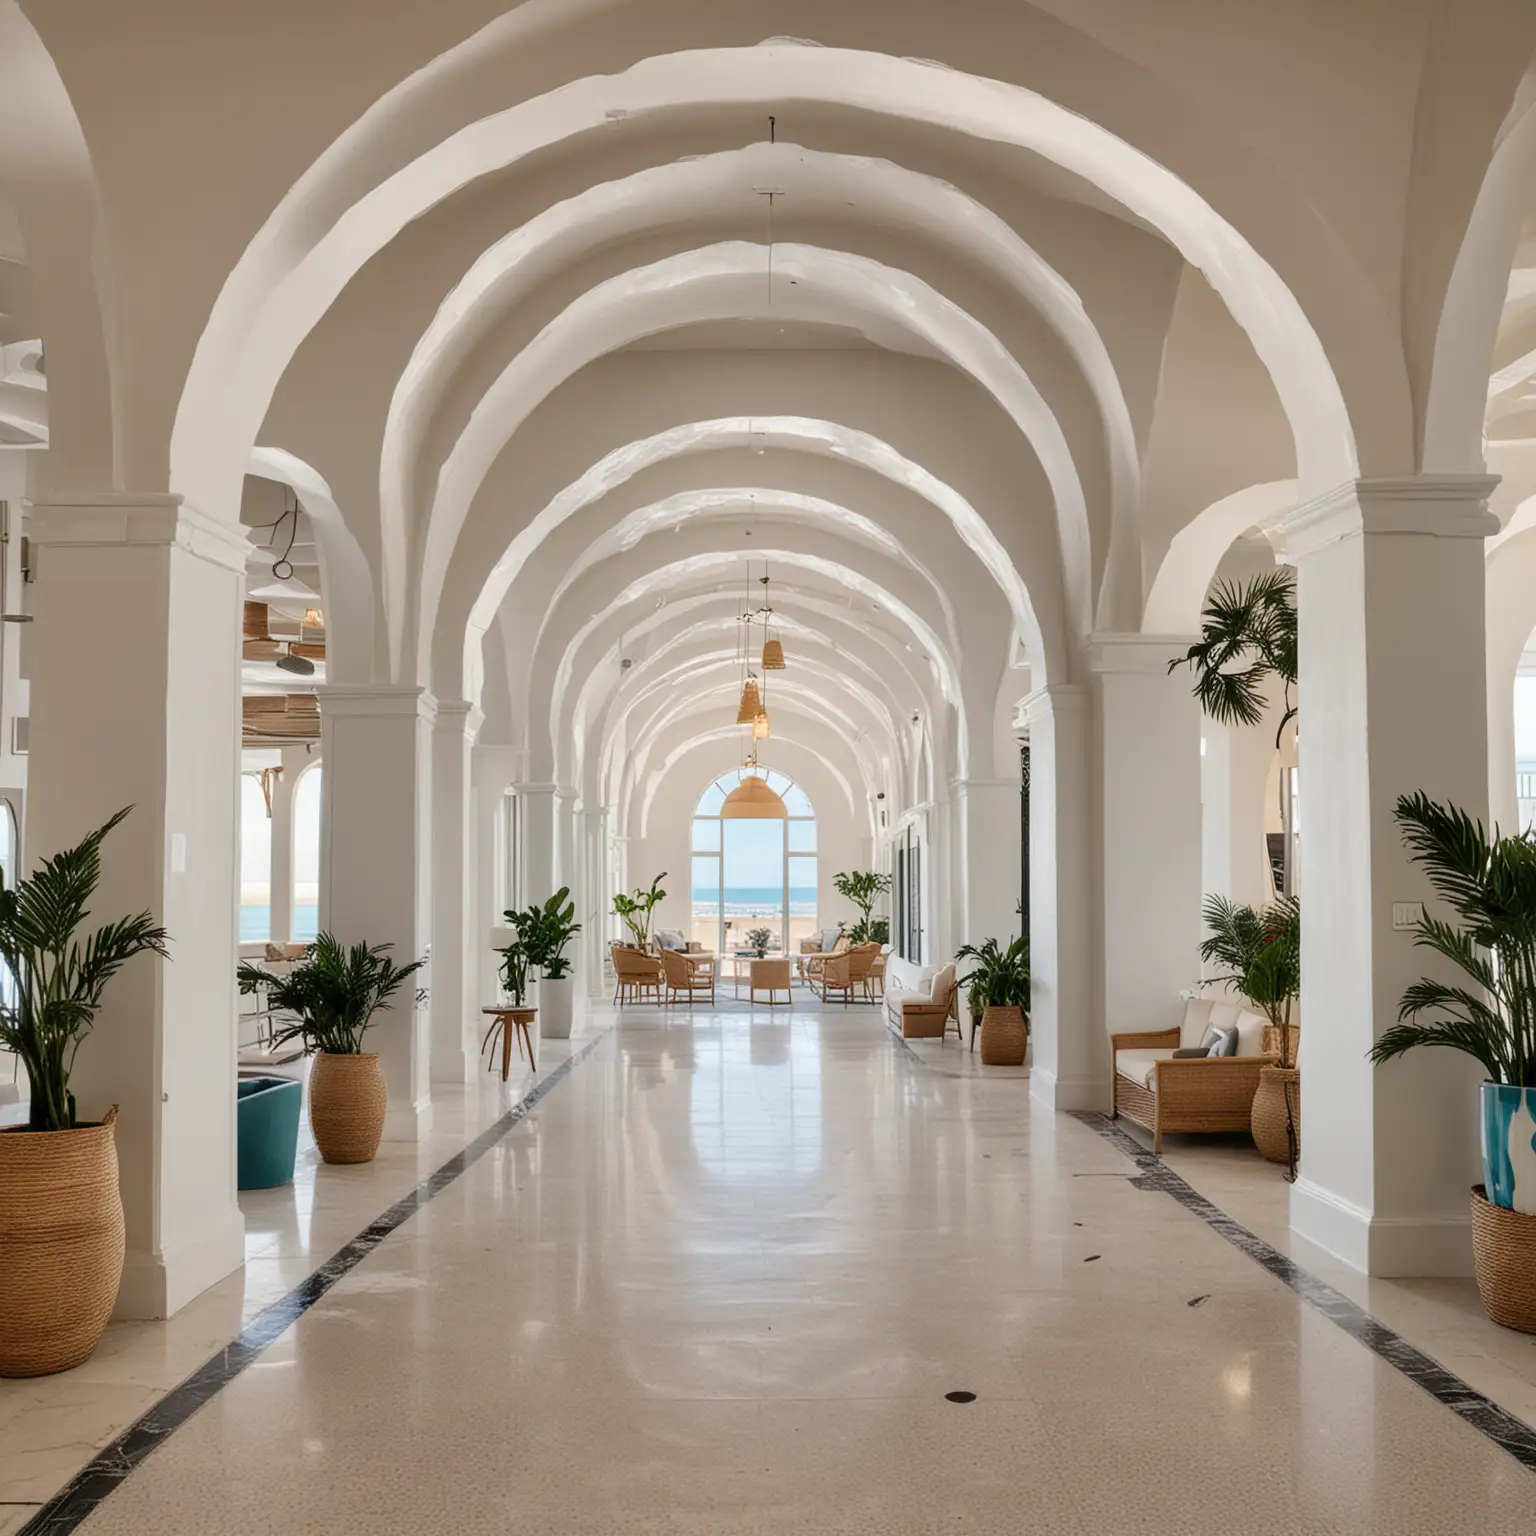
(1509, 1146)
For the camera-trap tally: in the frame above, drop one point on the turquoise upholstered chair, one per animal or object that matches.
(266, 1130)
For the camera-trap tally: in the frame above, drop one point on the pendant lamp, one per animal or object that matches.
(760, 727)
(751, 704)
(773, 655)
(753, 799)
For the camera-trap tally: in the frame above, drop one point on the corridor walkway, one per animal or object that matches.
(724, 1277)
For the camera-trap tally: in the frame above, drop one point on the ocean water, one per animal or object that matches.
(256, 922)
(753, 901)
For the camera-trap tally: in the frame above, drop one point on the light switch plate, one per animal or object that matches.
(1407, 915)
(178, 853)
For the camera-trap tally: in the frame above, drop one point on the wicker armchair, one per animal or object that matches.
(841, 973)
(811, 964)
(770, 976)
(691, 976)
(636, 975)
(1185, 1095)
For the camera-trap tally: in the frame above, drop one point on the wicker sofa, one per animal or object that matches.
(1180, 1095)
(918, 1014)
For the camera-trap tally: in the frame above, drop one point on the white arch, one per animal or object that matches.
(726, 281)
(887, 191)
(283, 284)
(1178, 591)
(828, 437)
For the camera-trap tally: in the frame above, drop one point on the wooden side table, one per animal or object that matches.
(510, 1021)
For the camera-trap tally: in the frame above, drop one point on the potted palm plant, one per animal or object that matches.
(1261, 951)
(1490, 884)
(999, 980)
(863, 887)
(758, 940)
(61, 1214)
(543, 932)
(635, 911)
(331, 998)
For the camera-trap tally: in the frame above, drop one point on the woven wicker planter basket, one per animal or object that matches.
(1268, 1123)
(347, 1100)
(1004, 1037)
(1504, 1255)
(61, 1245)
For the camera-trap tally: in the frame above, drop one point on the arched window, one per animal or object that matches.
(306, 854)
(255, 862)
(754, 870)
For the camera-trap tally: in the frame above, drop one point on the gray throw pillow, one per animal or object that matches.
(1221, 1040)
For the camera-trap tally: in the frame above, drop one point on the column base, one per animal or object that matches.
(451, 1066)
(160, 1285)
(408, 1122)
(1388, 1246)
(1065, 1094)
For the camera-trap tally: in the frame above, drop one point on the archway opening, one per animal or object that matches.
(755, 871)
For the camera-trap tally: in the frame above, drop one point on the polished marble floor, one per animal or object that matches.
(723, 1278)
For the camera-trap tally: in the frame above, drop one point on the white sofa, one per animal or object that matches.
(920, 1004)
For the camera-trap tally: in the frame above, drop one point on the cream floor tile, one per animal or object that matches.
(722, 1280)
(14, 1516)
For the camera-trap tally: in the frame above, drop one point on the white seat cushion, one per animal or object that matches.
(1250, 1033)
(1197, 1019)
(1140, 1066)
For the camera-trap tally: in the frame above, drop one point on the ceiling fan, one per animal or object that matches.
(296, 656)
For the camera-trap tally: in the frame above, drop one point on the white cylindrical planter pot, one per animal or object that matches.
(556, 997)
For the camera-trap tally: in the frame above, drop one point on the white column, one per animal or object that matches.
(566, 865)
(1147, 772)
(537, 861)
(1071, 1052)
(453, 898)
(135, 701)
(494, 769)
(375, 871)
(294, 762)
(1390, 588)
(986, 857)
(594, 898)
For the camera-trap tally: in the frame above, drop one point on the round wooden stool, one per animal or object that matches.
(510, 1021)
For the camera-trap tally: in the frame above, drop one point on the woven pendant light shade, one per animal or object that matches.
(751, 704)
(256, 621)
(752, 799)
(760, 727)
(773, 655)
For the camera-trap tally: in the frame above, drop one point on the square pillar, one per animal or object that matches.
(494, 768)
(1146, 770)
(1071, 1051)
(1390, 591)
(454, 981)
(135, 700)
(376, 880)
(536, 855)
(986, 857)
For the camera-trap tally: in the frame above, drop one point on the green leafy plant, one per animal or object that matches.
(863, 887)
(58, 979)
(759, 939)
(1247, 636)
(635, 911)
(544, 931)
(1490, 883)
(332, 994)
(1261, 953)
(514, 971)
(874, 930)
(999, 978)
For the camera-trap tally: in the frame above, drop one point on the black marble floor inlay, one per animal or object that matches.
(105, 1472)
(1498, 1424)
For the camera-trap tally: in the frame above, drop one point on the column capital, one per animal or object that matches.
(136, 519)
(375, 702)
(536, 789)
(1053, 699)
(1439, 506)
(462, 715)
(1147, 655)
